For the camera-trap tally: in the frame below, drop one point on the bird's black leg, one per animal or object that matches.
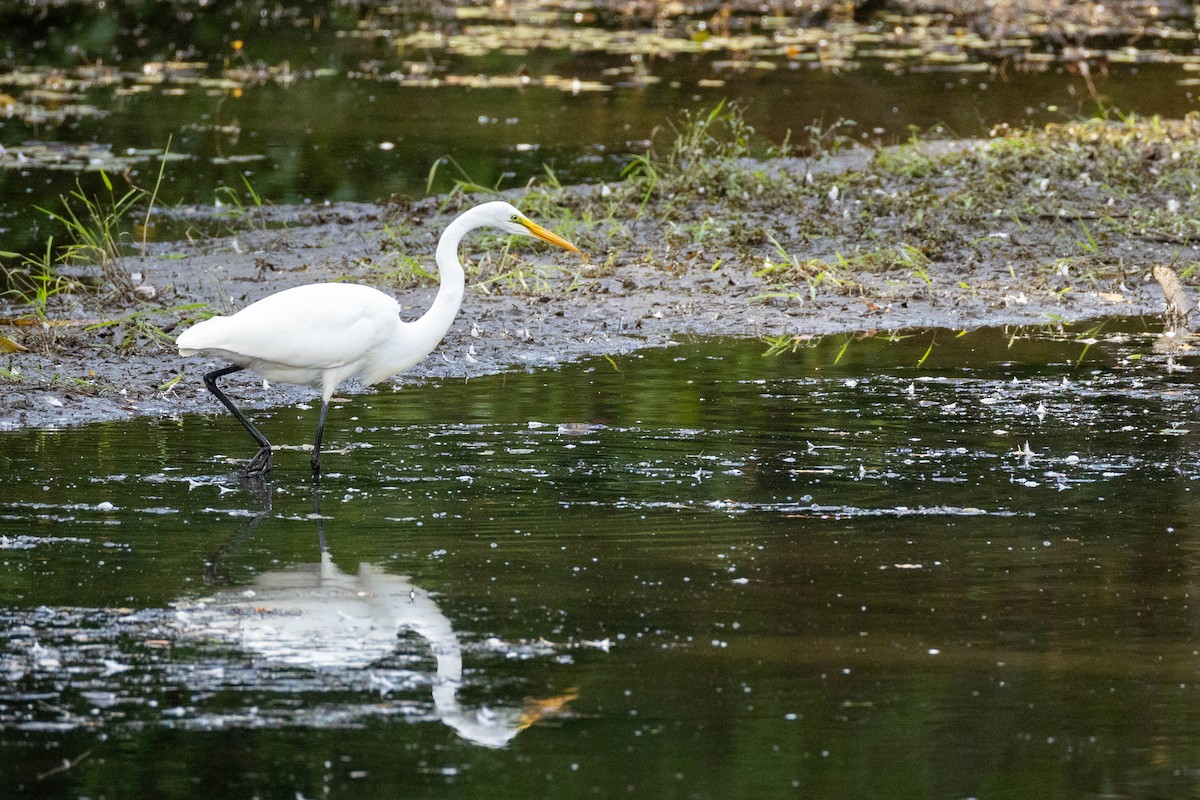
(316, 456)
(261, 463)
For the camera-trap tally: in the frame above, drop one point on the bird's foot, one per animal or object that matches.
(257, 485)
(260, 464)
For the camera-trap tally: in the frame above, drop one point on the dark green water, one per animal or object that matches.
(757, 577)
(308, 112)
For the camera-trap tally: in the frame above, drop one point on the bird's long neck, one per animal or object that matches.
(433, 324)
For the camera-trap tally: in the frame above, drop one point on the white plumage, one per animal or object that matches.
(323, 334)
(300, 349)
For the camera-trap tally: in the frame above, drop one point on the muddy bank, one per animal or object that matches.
(1024, 229)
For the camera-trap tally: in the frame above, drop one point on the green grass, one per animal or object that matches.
(708, 155)
(512, 274)
(401, 271)
(100, 226)
(236, 206)
(36, 282)
(906, 161)
(140, 325)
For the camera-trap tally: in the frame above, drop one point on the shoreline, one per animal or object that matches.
(792, 261)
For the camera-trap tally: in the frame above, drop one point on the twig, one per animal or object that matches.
(64, 766)
(1180, 304)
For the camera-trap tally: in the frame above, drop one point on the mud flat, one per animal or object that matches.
(1024, 228)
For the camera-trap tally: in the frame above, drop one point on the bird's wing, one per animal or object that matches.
(319, 326)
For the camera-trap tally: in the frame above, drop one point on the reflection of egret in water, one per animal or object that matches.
(315, 616)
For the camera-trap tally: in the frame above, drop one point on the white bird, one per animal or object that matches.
(322, 334)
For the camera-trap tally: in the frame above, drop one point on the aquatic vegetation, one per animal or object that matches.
(827, 220)
(97, 225)
(511, 274)
(241, 211)
(149, 327)
(785, 273)
(659, 56)
(100, 230)
(709, 156)
(36, 282)
(906, 161)
(83, 157)
(401, 271)
(891, 223)
(955, 38)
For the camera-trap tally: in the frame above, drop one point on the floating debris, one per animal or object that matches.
(78, 157)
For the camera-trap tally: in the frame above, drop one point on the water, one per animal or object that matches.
(313, 105)
(696, 571)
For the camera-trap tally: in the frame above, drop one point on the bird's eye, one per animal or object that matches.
(516, 217)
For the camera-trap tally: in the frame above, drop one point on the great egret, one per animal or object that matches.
(322, 334)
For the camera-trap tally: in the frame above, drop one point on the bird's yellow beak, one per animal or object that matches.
(548, 236)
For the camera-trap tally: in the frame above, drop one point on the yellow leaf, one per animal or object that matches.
(7, 345)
